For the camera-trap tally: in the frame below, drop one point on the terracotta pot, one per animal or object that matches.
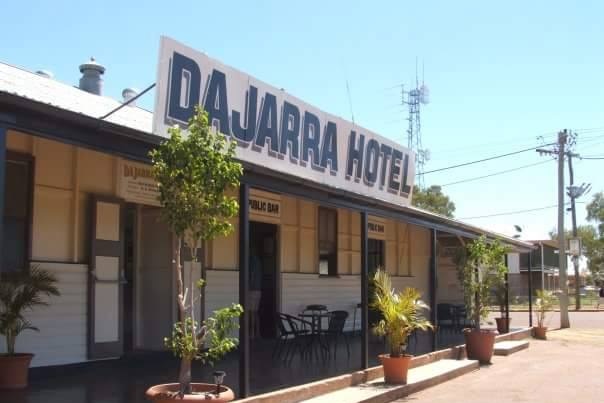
(503, 325)
(395, 368)
(479, 345)
(540, 332)
(14, 370)
(168, 393)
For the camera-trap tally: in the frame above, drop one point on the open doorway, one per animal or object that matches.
(375, 259)
(263, 279)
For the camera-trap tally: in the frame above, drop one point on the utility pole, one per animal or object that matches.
(575, 192)
(574, 219)
(564, 320)
(559, 152)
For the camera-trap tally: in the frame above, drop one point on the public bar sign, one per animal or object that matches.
(276, 130)
(136, 183)
(265, 207)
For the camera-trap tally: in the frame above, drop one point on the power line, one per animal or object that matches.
(495, 173)
(512, 212)
(487, 159)
(592, 158)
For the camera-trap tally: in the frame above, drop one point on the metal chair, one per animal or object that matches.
(291, 332)
(446, 317)
(335, 329)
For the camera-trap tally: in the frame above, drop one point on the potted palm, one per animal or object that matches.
(194, 173)
(20, 292)
(543, 304)
(481, 267)
(401, 315)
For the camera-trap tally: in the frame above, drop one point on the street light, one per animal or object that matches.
(218, 379)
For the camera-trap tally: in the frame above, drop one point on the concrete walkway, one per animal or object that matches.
(569, 367)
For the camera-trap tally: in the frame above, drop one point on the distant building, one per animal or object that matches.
(544, 268)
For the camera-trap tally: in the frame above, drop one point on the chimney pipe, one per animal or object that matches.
(128, 94)
(91, 80)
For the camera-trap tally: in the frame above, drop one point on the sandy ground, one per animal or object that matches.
(568, 367)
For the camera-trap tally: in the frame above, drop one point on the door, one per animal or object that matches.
(154, 281)
(375, 259)
(264, 276)
(105, 279)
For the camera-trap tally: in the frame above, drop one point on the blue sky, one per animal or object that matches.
(499, 74)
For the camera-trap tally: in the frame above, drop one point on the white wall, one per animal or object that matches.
(337, 293)
(62, 324)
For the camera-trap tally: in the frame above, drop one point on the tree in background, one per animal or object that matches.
(434, 200)
(593, 247)
(595, 213)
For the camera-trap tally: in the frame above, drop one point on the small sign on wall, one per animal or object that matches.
(265, 207)
(136, 183)
(376, 228)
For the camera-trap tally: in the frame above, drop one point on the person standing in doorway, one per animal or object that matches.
(255, 292)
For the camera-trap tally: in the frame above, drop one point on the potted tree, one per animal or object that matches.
(20, 292)
(503, 323)
(480, 267)
(401, 315)
(194, 173)
(543, 304)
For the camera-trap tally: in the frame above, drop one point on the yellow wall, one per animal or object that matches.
(65, 176)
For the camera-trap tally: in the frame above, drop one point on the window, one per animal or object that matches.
(17, 197)
(328, 242)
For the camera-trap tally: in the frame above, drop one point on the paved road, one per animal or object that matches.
(578, 320)
(569, 367)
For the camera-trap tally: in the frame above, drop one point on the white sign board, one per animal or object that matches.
(136, 183)
(278, 131)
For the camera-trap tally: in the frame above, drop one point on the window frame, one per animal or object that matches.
(332, 260)
(28, 159)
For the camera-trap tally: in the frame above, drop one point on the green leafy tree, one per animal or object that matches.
(401, 312)
(595, 211)
(481, 268)
(194, 172)
(434, 200)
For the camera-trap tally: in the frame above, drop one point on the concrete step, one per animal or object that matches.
(419, 378)
(510, 346)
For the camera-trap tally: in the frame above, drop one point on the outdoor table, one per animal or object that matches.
(316, 319)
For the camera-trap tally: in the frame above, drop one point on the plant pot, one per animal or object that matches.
(168, 393)
(540, 332)
(503, 325)
(395, 368)
(14, 370)
(479, 345)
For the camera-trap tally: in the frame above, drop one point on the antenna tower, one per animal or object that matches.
(413, 99)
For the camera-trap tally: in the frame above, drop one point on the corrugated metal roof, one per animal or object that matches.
(25, 84)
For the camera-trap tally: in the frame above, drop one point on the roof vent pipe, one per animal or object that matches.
(128, 94)
(91, 80)
(45, 73)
